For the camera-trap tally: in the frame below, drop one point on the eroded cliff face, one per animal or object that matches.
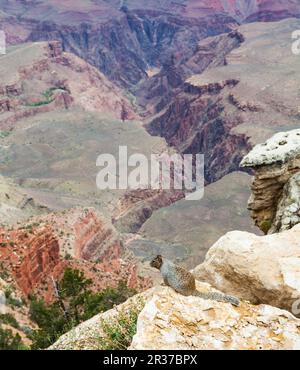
(124, 42)
(238, 99)
(31, 255)
(195, 122)
(156, 92)
(274, 202)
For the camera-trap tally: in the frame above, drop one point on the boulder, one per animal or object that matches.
(261, 269)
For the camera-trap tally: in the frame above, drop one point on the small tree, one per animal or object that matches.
(74, 303)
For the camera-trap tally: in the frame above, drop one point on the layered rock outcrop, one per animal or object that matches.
(275, 198)
(261, 269)
(30, 257)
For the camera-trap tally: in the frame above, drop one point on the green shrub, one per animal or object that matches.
(51, 322)
(48, 94)
(265, 226)
(10, 300)
(4, 134)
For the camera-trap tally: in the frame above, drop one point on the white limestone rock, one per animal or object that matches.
(280, 148)
(260, 269)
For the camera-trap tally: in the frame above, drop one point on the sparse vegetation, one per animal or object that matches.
(48, 94)
(10, 341)
(4, 134)
(265, 226)
(119, 332)
(10, 299)
(68, 257)
(75, 303)
(9, 319)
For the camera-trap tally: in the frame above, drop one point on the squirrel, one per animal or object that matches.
(183, 282)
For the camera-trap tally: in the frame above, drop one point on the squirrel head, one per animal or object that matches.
(157, 262)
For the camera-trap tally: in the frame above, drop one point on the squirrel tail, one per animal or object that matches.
(219, 297)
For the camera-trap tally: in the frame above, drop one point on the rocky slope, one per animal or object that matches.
(40, 77)
(170, 321)
(15, 204)
(274, 202)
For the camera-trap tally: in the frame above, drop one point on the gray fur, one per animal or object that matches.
(183, 282)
